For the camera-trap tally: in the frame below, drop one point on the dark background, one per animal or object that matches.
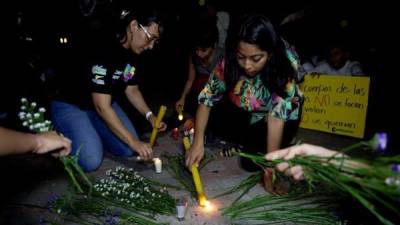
(35, 52)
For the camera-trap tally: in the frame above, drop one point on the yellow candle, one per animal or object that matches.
(180, 114)
(196, 176)
(160, 115)
(186, 143)
(203, 200)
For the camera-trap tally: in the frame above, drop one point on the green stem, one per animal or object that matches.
(71, 174)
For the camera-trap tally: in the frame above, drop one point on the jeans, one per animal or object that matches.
(89, 132)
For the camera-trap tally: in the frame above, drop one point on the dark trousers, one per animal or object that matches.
(233, 124)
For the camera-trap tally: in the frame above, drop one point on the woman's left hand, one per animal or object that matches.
(161, 127)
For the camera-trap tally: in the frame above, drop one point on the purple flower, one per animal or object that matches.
(396, 168)
(53, 199)
(379, 142)
(42, 221)
(110, 220)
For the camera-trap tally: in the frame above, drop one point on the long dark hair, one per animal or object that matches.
(258, 30)
(143, 13)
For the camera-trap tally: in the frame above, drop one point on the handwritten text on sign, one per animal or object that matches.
(335, 104)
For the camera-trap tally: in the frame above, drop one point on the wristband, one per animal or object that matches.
(148, 114)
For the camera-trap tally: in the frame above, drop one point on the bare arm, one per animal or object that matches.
(307, 149)
(196, 151)
(188, 85)
(103, 107)
(15, 142)
(275, 132)
(135, 97)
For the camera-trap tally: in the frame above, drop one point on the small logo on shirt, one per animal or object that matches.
(129, 72)
(117, 74)
(99, 70)
(98, 79)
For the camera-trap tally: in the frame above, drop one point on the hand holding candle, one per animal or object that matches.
(156, 124)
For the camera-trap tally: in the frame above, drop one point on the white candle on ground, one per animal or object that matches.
(158, 165)
(181, 209)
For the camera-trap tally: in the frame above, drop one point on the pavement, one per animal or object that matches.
(217, 176)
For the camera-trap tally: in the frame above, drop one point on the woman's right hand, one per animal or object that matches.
(195, 155)
(143, 149)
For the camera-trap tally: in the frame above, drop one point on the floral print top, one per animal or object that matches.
(253, 96)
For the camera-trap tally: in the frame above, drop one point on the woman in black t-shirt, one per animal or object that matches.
(86, 111)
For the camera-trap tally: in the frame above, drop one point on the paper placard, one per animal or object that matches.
(335, 104)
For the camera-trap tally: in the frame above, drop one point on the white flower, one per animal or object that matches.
(33, 104)
(30, 121)
(28, 115)
(36, 115)
(21, 115)
(23, 100)
(30, 127)
(42, 110)
(390, 180)
(23, 107)
(25, 124)
(47, 122)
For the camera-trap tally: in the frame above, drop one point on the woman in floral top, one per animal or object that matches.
(259, 75)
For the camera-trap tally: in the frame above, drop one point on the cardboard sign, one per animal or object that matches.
(335, 104)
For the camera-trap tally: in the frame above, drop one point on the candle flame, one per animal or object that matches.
(207, 206)
(180, 116)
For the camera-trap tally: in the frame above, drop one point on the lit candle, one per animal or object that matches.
(158, 165)
(175, 133)
(160, 115)
(203, 200)
(180, 113)
(196, 176)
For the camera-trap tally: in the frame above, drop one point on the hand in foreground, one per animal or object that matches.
(289, 153)
(52, 142)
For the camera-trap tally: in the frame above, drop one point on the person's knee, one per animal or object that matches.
(90, 157)
(89, 165)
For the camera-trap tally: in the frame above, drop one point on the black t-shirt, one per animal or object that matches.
(107, 71)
